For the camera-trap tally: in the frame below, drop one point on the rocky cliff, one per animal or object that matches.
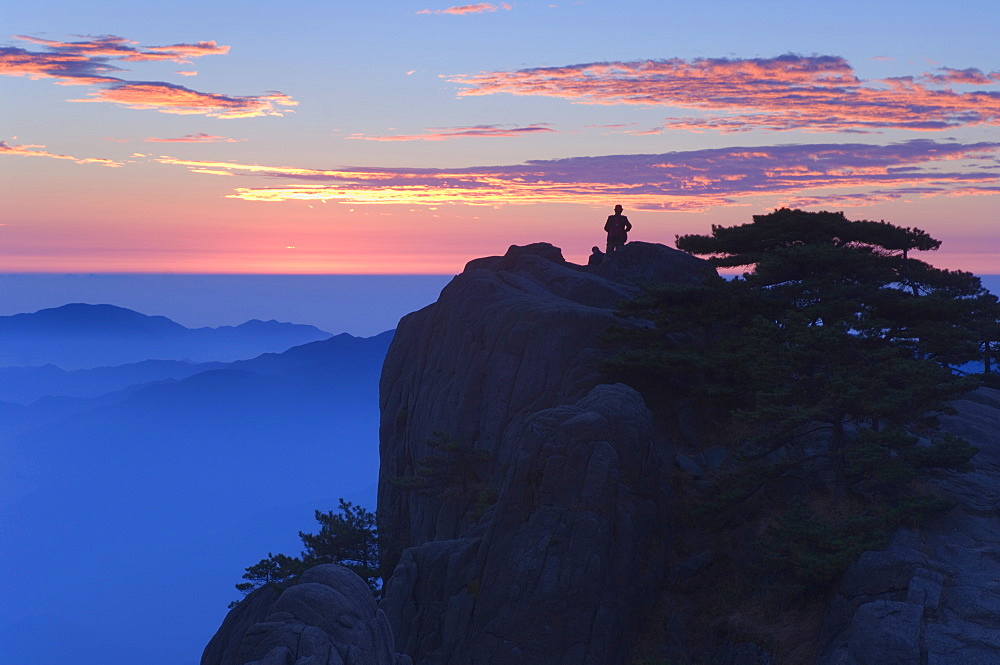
(527, 511)
(570, 563)
(569, 556)
(933, 596)
(328, 618)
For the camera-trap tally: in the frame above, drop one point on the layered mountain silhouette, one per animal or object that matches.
(81, 336)
(23, 385)
(162, 479)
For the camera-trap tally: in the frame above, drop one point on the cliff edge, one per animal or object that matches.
(545, 543)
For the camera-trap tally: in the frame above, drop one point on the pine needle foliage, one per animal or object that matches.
(348, 537)
(824, 367)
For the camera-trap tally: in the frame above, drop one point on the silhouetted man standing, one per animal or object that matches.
(617, 227)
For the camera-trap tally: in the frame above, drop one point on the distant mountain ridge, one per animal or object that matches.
(83, 336)
(87, 319)
(24, 385)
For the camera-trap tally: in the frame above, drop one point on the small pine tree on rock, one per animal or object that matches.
(348, 537)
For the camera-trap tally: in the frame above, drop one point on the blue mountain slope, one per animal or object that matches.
(24, 385)
(78, 336)
(16, 419)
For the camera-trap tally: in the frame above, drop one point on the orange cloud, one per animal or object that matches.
(170, 98)
(831, 174)
(39, 151)
(475, 131)
(199, 137)
(468, 9)
(789, 92)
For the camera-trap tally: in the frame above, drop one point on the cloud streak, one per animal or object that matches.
(479, 8)
(26, 150)
(92, 62)
(198, 137)
(789, 92)
(176, 99)
(119, 48)
(803, 175)
(475, 131)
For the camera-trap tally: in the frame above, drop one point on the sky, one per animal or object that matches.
(410, 137)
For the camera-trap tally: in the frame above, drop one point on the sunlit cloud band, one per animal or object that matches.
(789, 92)
(478, 8)
(802, 175)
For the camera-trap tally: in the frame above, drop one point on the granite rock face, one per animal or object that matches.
(933, 596)
(328, 618)
(547, 546)
(566, 562)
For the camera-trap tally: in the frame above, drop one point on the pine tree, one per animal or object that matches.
(835, 339)
(348, 537)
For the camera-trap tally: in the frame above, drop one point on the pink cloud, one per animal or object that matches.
(176, 99)
(88, 62)
(475, 131)
(39, 151)
(468, 9)
(67, 69)
(199, 137)
(826, 174)
(789, 92)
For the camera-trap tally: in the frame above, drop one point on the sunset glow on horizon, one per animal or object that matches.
(426, 138)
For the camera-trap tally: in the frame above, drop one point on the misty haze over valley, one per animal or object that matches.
(145, 464)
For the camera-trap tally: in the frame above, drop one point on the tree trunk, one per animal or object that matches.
(906, 273)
